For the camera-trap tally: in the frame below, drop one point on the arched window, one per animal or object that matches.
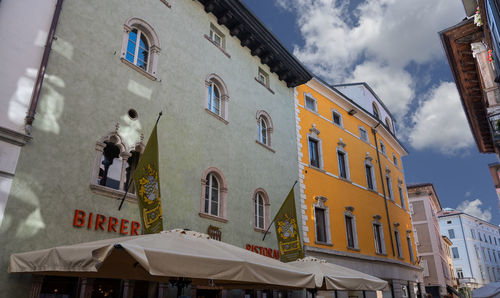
(376, 112)
(261, 209)
(214, 190)
(265, 128)
(217, 97)
(212, 195)
(140, 47)
(114, 165)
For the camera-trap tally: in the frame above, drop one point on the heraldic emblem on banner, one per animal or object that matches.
(149, 190)
(287, 230)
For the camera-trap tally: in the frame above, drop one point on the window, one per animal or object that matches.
(321, 220)
(350, 228)
(378, 236)
(395, 160)
(454, 252)
(337, 118)
(261, 209)
(343, 164)
(314, 153)
(216, 36)
(114, 165)
(389, 187)
(448, 222)
(480, 238)
(265, 128)
(398, 243)
(217, 97)
(382, 147)
(410, 246)
(402, 196)
(451, 234)
(214, 191)
(369, 176)
(375, 111)
(263, 77)
(388, 123)
(311, 103)
(140, 47)
(460, 273)
(363, 134)
(473, 234)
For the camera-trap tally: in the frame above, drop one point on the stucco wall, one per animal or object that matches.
(88, 90)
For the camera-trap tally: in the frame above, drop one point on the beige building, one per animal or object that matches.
(432, 249)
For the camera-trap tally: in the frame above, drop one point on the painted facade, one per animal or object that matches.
(338, 138)
(475, 250)
(96, 98)
(431, 247)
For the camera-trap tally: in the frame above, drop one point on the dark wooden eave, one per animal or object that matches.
(457, 46)
(244, 25)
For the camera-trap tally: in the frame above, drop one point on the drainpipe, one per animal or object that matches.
(383, 188)
(41, 71)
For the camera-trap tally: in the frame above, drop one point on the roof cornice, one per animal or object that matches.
(244, 25)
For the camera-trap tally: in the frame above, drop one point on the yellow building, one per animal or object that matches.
(353, 195)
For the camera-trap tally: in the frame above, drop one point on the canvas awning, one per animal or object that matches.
(491, 290)
(329, 276)
(161, 257)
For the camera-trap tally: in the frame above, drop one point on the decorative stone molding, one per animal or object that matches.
(396, 224)
(377, 217)
(349, 208)
(341, 143)
(400, 181)
(320, 201)
(387, 170)
(222, 196)
(14, 137)
(368, 157)
(215, 79)
(314, 131)
(265, 198)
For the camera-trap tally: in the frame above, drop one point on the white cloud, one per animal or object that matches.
(474, 208)
(439, 122)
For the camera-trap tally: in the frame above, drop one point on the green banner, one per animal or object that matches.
(287, 230)
(147, 185)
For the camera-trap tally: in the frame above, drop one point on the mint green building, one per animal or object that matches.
(227, 137)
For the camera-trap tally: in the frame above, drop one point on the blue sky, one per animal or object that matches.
(393, 45)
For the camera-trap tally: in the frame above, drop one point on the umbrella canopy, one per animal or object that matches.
(491, 290)
(169, 254)
(334, 277)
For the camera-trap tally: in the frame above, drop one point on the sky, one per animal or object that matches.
(394, 46)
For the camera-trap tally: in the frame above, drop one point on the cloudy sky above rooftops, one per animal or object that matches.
(394, 46)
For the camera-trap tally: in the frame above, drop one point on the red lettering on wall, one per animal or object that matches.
(249, 247)
(135, 228)
(79, 220)
(124, 227)
(99, 221)
(265, 251)
(112, 223)
(89, 226)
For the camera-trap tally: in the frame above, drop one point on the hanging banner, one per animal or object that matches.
(287, 231)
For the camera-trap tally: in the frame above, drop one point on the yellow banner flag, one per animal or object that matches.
(147, 185)
(287, 230)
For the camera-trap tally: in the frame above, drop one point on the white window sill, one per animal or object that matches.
(354, 248)
(212, 217)
(218, 46)
(113, 193)
(317, 169)
(139, 70)
(265, 146)
(261, 230)
(265, 86)
(217, 116)
(323, 243)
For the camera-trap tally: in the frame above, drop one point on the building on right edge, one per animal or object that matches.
(475, 250)
(472, 47)
(432, 248)
(352, 189)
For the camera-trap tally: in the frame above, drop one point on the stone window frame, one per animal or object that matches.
(314, 135)
(368, 162)
(320, 203)
(341, 148)
(215, 31)
(402, 196)
(222, 217)
(341, 120)
(154, 46)
(215, 79)
(264, 79)
(383, 149)
(388, 181)
(376, 111)
(263, 115)
(376, 222)
(315, 101)
(267, 206)
(367, 139)
(395, 160)
(125, 154)
(350, 213)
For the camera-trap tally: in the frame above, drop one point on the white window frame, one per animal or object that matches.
(453, 255)
(362, 129)
(314, 132)
(402, 196)
(341, 120)
(154, 48)
(222, 195)
(383, 150)
(263, 77)
(264, 116)
(395, 160)
(215, 33)
(265, 200)
(315, 102)
(340, 149)
(378, 250)
(211, 80)
(410, 246)
(368, 162)
(399, 247)
(388, 181)
(320, 203)
(349, 214)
